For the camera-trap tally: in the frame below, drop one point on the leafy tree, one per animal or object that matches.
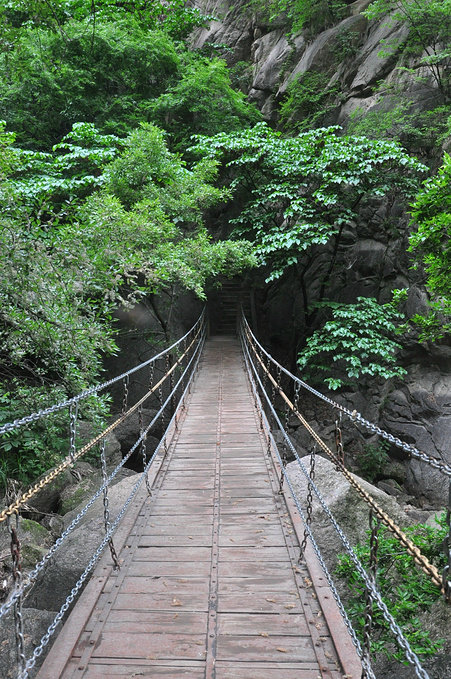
(314, 15)
(73, 170)
(431, 244)
(308, 101)
(201, 101)
(357, 339)
(64, 274)
(49, 81)
(175, 17)
(429, 22)
(301, 197)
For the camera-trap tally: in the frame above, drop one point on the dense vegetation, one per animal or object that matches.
(118, 139)
(100, 102)
(97, 208)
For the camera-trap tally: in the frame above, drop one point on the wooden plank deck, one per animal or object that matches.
(209, 585)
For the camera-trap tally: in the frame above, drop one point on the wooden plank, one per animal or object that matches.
(181, 554)
(208, 588)
(150, 646)
(102, 671)
(177, 539)
(161, 602)
(233, 670)
(266, 649)
(184, 569)
(259, 601)
(152, 622)
(262, 624)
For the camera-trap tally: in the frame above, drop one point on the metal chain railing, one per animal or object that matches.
(190, 358)
(356, 417)
(371, 588)
(409, 546)
(68, 462)
(33, 417)
(33, 575)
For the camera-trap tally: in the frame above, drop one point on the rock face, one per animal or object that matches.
(69, 562)
(349, 510)
(418, 409)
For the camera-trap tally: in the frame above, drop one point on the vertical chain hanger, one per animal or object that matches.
(125, 383)
(372, 573)
(309, 499)
(17, 578)
(106, 508)
(339, 439)
(73, 415)
(447, 549)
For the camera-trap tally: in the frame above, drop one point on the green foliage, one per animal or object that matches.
(406, 590)
(431, 244)
(201, 101)
(50, 81)
(301, 192)
(28, 453)
(176, 17)
(313, 15)
(373, 460)
(73, 170)
(64, 272)
(308, 101)
(354, 342)
(429, 37)
(418, 131)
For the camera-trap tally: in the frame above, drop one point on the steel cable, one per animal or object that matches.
(374, 593)
(32, 575)
(68, 462)
(97, 554)
(357, 417)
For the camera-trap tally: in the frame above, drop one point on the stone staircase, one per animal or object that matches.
(224, 305)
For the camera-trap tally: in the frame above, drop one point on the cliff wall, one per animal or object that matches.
(359, 61)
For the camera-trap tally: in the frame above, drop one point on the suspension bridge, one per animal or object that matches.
(212, 570)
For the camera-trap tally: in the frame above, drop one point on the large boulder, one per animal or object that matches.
(36, 624)
(70, 560)
(349, 509)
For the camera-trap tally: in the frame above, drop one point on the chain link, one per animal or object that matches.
(394, 628)
(339, 439)
(354, 415)
(31, 492)
(33, 417)
(106, 509)
(24, 674)
(309, 499)
(17, 579)
(447, 550)
(410, 547)
(32, 576)
(143, 436)
(372, 574)
(73, 415)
